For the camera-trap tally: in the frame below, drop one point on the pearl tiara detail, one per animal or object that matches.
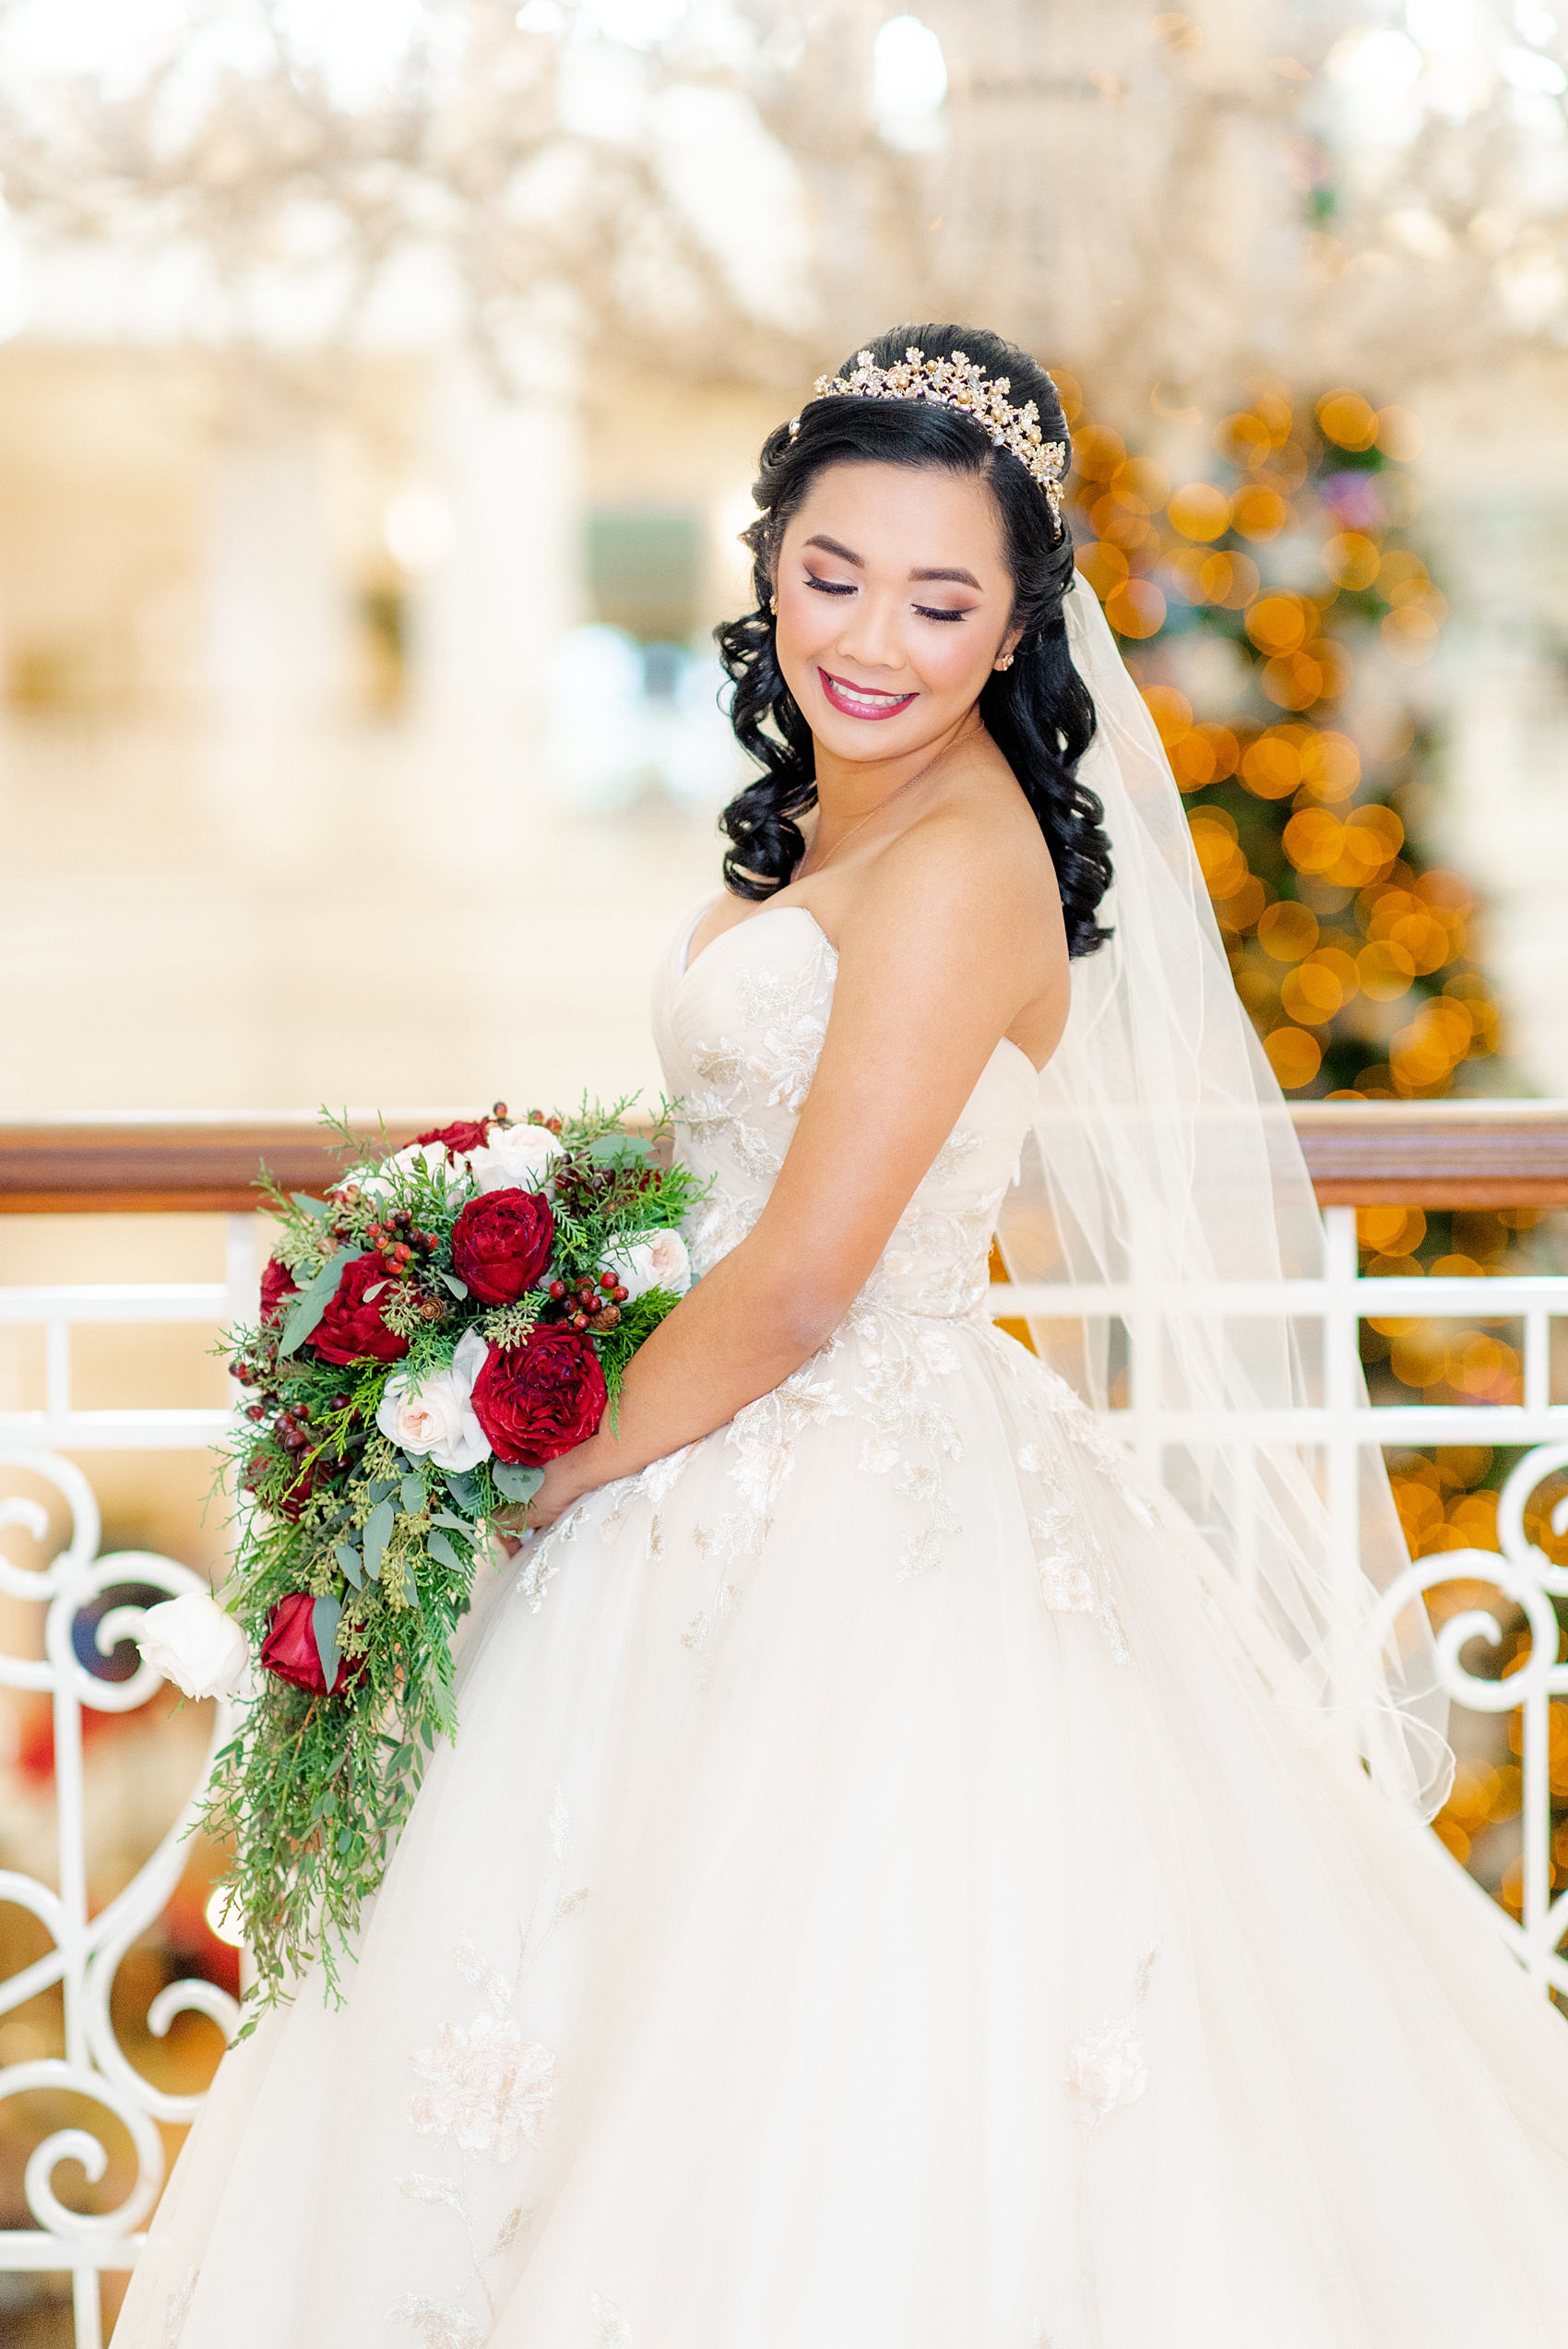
(956, 383)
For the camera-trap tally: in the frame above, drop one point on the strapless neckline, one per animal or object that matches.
(686, 963)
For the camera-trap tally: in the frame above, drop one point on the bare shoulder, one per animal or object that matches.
(973, 869)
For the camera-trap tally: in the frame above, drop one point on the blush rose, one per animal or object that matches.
(439, 1419)
(514, 1158)
(659, 1261)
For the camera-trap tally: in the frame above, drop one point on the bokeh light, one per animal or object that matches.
(1297, 747)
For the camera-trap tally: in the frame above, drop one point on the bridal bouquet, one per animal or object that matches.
(445, 1321)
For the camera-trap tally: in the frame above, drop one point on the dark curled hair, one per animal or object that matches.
(1038, 712)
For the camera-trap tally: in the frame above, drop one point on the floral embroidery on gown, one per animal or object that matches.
(874, 1903)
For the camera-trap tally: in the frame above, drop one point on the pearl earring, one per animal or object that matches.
(1006, 662)
(773, 605)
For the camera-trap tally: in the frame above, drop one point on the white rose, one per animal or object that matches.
(439, 1419)
(659, 1262)
(377, 1182)
(194, 1644)
(516, 1158)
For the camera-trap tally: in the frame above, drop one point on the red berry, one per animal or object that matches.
(607, 1281)
(620, 1295)
(557, 1290)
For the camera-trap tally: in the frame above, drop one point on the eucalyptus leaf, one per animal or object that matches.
(516, 1484)
(440, 1547)
(311, 1303)
(620, 1150)
(324, 1617)
(377, 1533)
(459, 1288)
(383, 1486)
(303, 1201)
(412, 1495)
(348, 1558)
(463, 1487)
(374, 1290)
(463, 1525)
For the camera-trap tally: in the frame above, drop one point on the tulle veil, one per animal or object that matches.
(1164, 1163)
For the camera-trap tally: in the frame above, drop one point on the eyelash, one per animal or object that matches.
(845, 587)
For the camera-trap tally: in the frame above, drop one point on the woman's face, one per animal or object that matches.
(895, 604)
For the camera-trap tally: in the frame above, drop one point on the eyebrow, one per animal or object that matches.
(848, 555)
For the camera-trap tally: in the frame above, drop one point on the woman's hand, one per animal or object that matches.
(559, 1489)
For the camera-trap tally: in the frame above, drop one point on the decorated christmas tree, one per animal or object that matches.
(1276, 614)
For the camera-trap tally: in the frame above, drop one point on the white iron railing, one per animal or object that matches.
(87, 1948)
(206, 1167)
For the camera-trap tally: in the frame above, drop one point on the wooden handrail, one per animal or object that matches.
(1435, 1153)
(1438, 1153)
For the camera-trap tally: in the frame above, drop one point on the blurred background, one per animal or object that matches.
(380, 385)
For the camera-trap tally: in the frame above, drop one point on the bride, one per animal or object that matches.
(913, 1874)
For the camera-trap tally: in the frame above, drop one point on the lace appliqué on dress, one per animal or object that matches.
(944, 1252)
(544, 1556)
(1107, 2067)
(763, 1437)
(774, 1070)
(903, 1356)
(654, 1484)
(1072, 1567)
(488, 2091)
(1087, 1430)
(612, 2330)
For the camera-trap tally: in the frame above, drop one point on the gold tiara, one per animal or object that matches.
(956, 383)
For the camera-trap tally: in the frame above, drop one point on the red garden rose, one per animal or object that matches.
(465, 1134)
(501, 1243)
(289, 1651)
(351, 1329)
(277, 1285)
(534, 1401)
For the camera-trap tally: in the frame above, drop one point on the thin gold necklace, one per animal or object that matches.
(808, 871)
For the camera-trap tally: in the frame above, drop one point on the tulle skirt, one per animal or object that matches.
(875, 1901)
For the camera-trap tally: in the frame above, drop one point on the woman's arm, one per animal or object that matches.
(942, 948)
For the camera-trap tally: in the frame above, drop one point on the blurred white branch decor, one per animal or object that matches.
(305, 173)
(735, 187)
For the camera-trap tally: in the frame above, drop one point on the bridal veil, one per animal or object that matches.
(1167, 1185)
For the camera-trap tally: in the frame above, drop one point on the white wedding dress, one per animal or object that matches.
(876, 1901)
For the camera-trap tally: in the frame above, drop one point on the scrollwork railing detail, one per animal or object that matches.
(86, 1949)
(1526, 1577)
